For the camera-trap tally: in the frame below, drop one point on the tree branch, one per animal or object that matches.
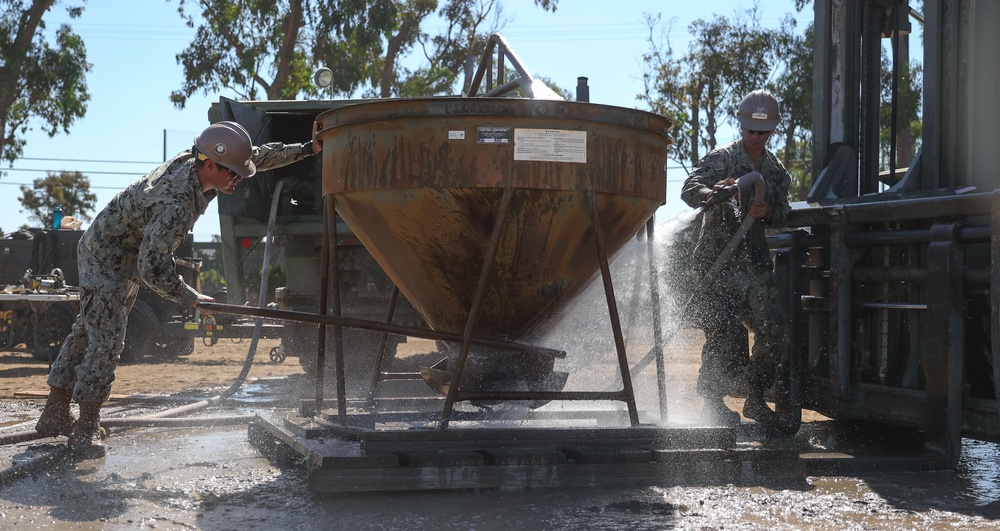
(30, 20)
(286, 52)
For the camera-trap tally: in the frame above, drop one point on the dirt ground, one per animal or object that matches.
(215, 367)
(211, 477)
(207, 367)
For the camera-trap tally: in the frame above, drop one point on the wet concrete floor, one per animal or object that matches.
(213, 479)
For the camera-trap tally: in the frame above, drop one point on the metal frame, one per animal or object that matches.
(525, 81)
(627, 394)
(330, 268)
(936, 234)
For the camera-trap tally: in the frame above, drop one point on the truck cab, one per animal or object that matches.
(244, 217)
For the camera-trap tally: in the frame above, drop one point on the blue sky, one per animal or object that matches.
(130, 121)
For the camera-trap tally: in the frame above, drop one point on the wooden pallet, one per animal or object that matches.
(402, 458)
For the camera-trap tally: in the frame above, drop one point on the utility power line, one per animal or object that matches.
(93, 160)
(92, 187)
(86, 172)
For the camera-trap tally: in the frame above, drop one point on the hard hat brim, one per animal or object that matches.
(757, 125)
(243, 171)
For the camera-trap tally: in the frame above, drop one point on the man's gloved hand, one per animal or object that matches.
(760, 210)
(317, 144)
(721, 191)
(204, 298)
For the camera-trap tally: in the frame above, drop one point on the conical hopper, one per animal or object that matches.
(420, 183)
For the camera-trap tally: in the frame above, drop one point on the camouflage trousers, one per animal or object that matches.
(725, 311)
(89, 356)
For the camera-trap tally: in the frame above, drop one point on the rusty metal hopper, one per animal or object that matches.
(420, 182)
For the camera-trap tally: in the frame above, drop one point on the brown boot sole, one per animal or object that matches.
(89, 447)
(88, 451)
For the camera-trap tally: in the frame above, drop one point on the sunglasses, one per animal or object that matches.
(232, 172)
(761, 133)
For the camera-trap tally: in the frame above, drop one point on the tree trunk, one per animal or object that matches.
(10, 72)
(695, 131)
(391, 52)
(287, 51)
(904, 138)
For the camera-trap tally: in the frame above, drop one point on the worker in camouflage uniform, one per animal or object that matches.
(132, 241)
(744, 294)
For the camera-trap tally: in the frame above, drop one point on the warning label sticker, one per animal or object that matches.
(553, 145)
(493, 135)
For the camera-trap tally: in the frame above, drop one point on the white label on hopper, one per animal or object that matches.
(553, 145)
(456, 135)
(493, 135)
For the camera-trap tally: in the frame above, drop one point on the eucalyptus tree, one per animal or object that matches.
(42, 76)
(69, 190)
(264, 49)
(701, 88)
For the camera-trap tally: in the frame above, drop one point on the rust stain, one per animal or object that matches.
(425, 201)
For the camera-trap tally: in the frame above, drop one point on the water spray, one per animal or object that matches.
(752, 178)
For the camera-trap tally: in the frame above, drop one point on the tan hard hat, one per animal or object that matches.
(759, 111)
(228, 144)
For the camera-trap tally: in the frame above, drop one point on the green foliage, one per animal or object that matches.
(384, 81)
(275, 279)
(797, 158)
(701, 89)
(794, 89)
(42, 80)
(454, 52)
(269, 50)
(71, 190)
(212, 281)
(908, 106)
(233, 45)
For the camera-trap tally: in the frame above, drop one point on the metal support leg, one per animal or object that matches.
(616, 326)
(477, 301)
(943, 354)
(324, 286)
(840, 310)
(788, 270)
(995, 294)
(329, 265)
(382, 347)
(338, 331)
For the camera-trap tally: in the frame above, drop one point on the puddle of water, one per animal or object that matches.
(213, 479)
(979, 465)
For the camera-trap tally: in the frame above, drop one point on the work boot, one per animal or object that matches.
(56, 417)
(85, 442)
(714, 412)
(755, 408)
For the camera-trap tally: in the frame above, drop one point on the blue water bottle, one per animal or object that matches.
(57, 217)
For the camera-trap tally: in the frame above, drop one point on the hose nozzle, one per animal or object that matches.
(727, 192)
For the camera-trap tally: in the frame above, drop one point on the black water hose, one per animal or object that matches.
(161, 419)
(752, 178)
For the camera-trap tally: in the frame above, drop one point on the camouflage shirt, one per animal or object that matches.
(136, 234)
(733, 161)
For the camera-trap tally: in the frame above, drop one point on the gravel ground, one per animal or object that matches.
(213, 479)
